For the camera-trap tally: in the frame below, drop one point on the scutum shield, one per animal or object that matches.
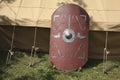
(69, 37)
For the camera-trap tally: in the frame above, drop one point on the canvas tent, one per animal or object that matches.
(104, 16)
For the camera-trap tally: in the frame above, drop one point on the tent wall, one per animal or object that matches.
(24, 37)
(97, 44)
(24, 40)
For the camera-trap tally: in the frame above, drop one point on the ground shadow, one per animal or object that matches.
(25, 78)
(2, 63)
(42, 76)
(92, 63)
(2, 56)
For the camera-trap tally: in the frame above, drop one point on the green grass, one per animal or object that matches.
(43, 70)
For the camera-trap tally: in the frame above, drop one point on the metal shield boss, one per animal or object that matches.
(69, 37)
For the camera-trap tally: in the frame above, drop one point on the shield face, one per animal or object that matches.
(69, 37)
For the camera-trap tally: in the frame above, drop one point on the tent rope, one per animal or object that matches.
(34, 48)
(105, 54)
(10, 52)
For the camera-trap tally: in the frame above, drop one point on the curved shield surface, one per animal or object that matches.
(69, 37)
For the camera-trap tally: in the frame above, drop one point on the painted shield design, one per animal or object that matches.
(69, 37)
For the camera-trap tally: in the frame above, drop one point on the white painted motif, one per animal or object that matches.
(80, 36)
(57, 36)
(55, 16)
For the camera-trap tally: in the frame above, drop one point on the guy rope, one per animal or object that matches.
(11, 52)
(34, 47)
(105, 54)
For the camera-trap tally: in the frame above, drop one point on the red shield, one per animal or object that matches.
(69, 37)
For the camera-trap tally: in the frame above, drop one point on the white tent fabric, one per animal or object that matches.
(104, 14)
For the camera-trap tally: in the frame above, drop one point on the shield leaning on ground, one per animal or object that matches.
(69, 37)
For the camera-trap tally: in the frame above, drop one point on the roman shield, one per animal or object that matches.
(69, 37)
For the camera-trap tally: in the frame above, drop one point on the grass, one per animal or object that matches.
(43, 70)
